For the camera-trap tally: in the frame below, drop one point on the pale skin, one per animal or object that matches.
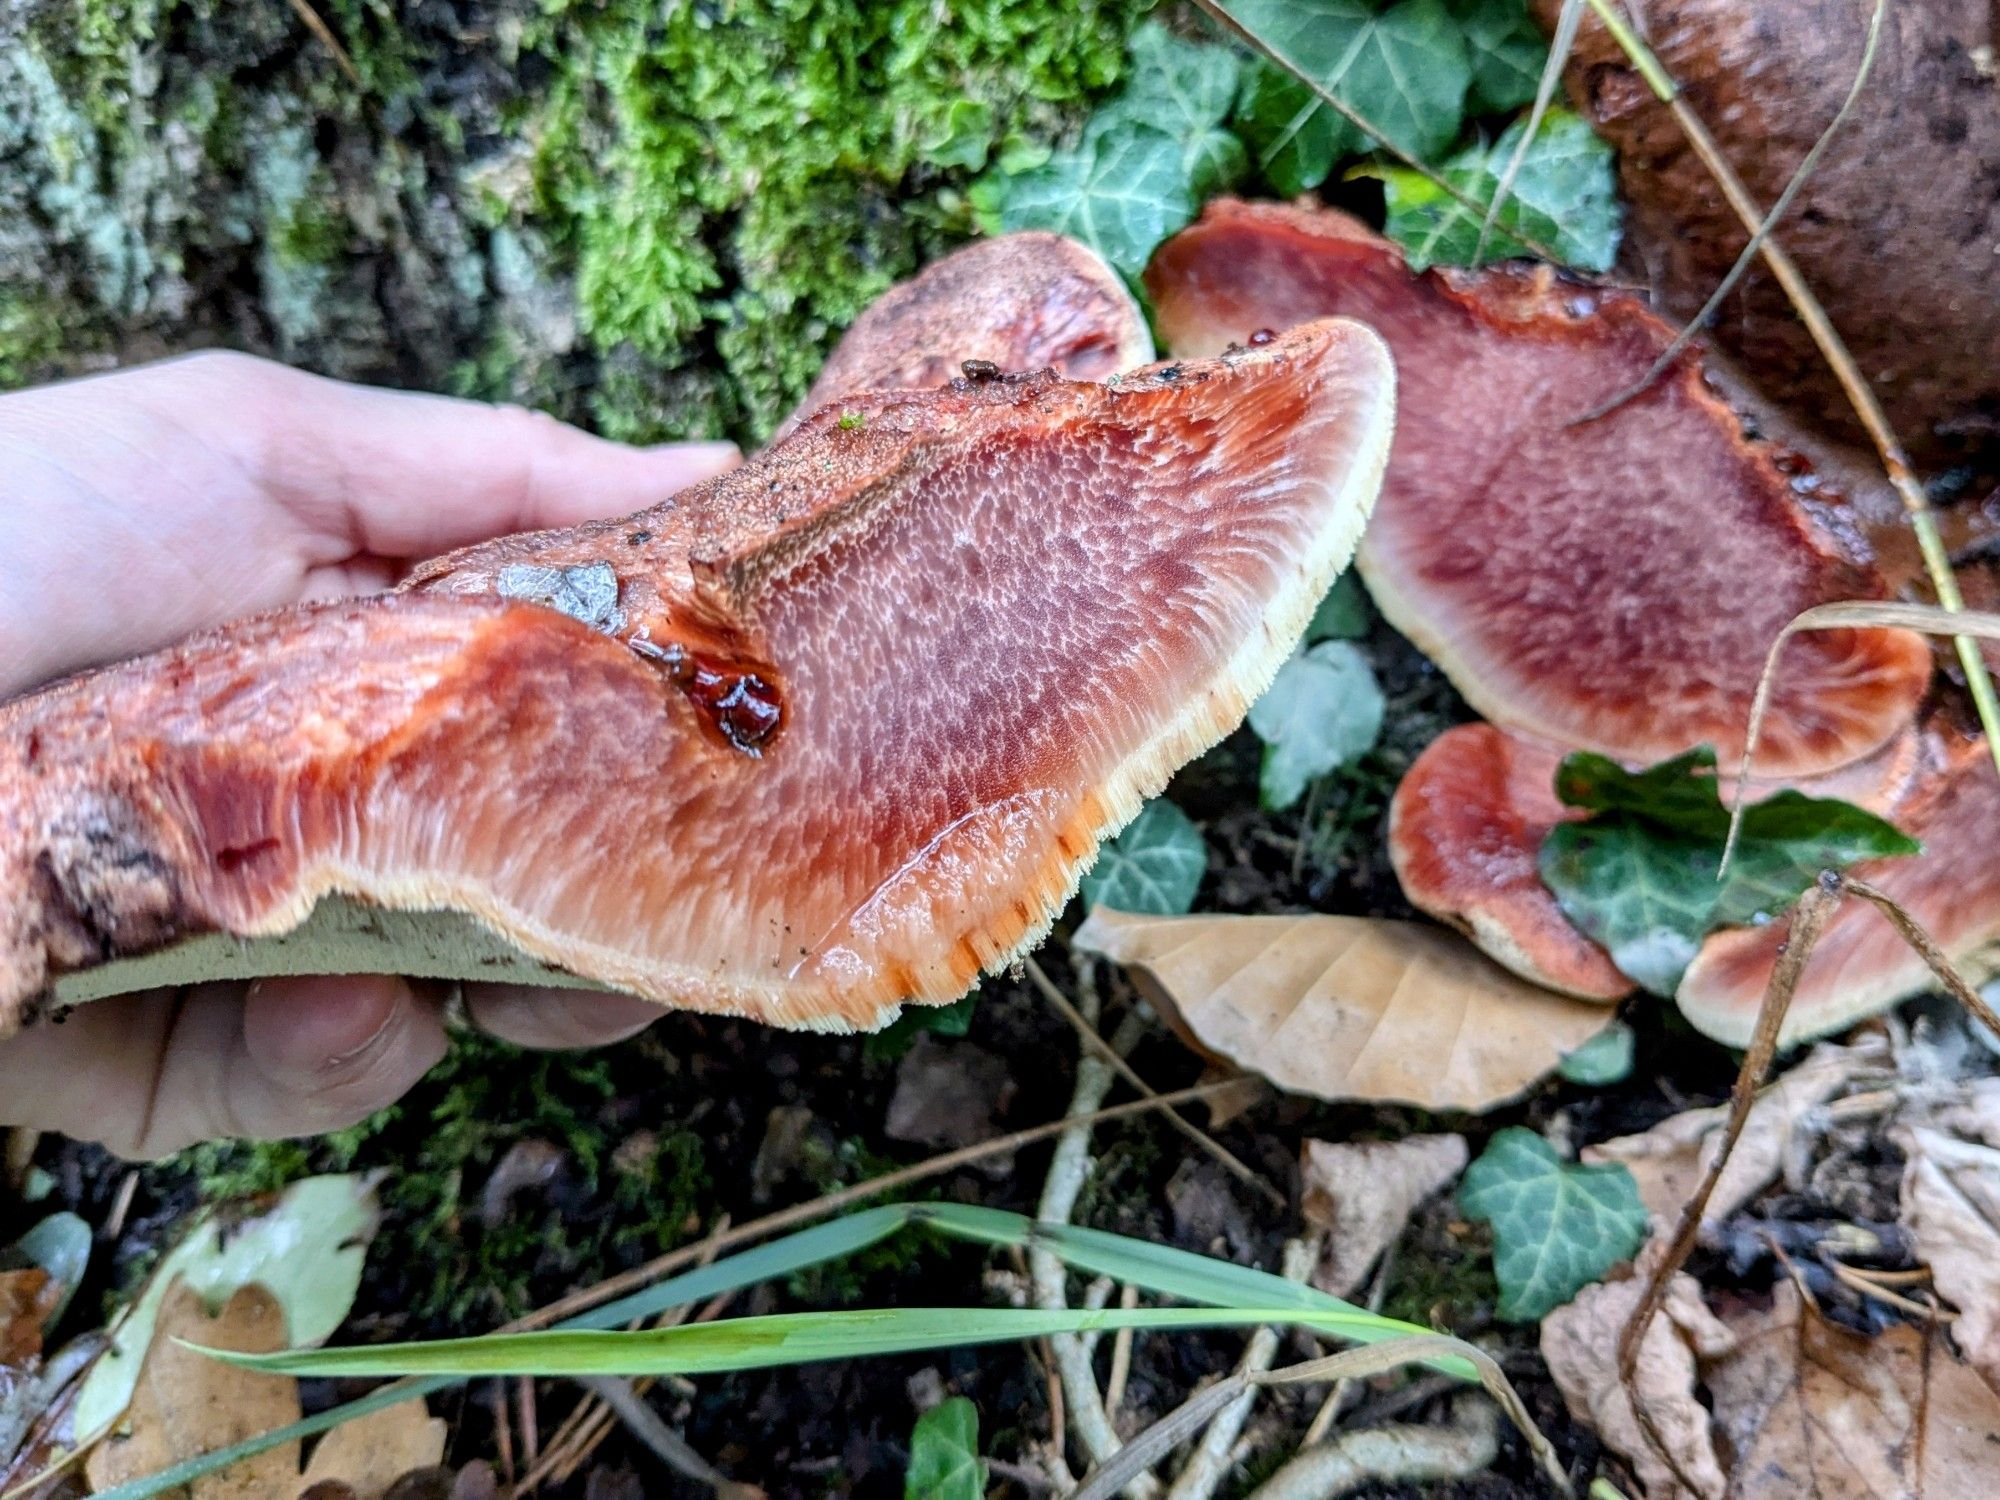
(140, 506)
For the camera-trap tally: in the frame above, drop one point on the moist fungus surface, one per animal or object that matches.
(1606, 582)
(845, 732)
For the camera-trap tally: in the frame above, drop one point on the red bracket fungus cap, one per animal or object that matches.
(1861, 964)
(1465, 835)
(834, 731)
(1025, 301)
(1610, 584)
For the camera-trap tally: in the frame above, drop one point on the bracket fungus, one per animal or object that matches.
(1607, 583)
(1590, 576)
(1024, 301)
(834, 731)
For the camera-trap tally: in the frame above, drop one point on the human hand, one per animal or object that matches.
(138, 507)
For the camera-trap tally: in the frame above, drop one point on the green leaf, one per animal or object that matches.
(1184, 89)
(60, 1246)
(962, 137)
(1605, 1058)
(1641, 875)
(1323, 710)
(1343, 615)
(1404, 69)
(1121, 192)
(1155, 866)
(306, 1249)
(1564, 196)
(1556, 1227)
(944, 1454)
(901, 1034)
(1506, 51)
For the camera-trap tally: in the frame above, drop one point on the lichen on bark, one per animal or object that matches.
(650, 217)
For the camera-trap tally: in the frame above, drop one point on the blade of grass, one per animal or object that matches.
(762, 1342)
(1895, 462)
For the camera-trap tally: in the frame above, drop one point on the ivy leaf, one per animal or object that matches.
(900, 1035)
(1323, 710)
(1564, 197)
(944, 1454)
(1121, 191)
(1343, 615)
(1403, 68)
(1605, 1058)
(1641, 875)
(1505, 49)
(1155, 866)
(1184, 89)
(1556, 1227)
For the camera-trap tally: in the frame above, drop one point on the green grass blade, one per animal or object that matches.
(754, 1343)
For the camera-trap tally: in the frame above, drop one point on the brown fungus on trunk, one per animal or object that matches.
(1897, 231)
(993, 619)
(1861, 964)
(1012, 304)
(1610, 584)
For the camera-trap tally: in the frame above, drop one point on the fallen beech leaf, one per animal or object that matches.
(305, 1249)
(186, 1404)
(872, 701)
(26, 1299)
(371, 1453)
(1580, 1343)
(1667, 1162)
(1609, 585)
(1349, 1007)
(1806, 1409)
(1951, 1207)
(1360, 1194)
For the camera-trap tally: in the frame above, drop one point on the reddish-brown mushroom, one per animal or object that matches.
(1465, 835)
(1017, 302)
(1467, 823)
(825, 734)
(1861, 963)
(1896, 230)
(1609, 583)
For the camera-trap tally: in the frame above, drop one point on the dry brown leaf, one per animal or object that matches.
(1580, 1344)
(1349, 1007)
(26, 1300)
(188, 1404)
(1814, 1412)
(1668, 1161)
(1360, 1194)
(371, 1453)
(1951, 1206)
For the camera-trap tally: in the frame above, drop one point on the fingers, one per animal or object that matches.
(149, 1075)
(532, 1017)
(401, 475)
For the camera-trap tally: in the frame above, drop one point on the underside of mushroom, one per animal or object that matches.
(832, 732)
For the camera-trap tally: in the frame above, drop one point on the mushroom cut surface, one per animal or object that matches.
(1604, 579)
(834, 731)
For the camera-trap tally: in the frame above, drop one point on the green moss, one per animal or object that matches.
(746, 175)
(32, 336)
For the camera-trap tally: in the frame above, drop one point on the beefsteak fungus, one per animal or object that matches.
(1606, 582)
(832, 732)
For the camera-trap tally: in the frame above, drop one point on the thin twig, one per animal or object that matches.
(1809, 918)
(1210, 1460)
(1752, 247)
(1912, 932)
(1895, 461)
(1229, 1161)
(1463, 1447)
(328, 40)
(1121, 1355)
(646, 1425)
(661, 1266)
